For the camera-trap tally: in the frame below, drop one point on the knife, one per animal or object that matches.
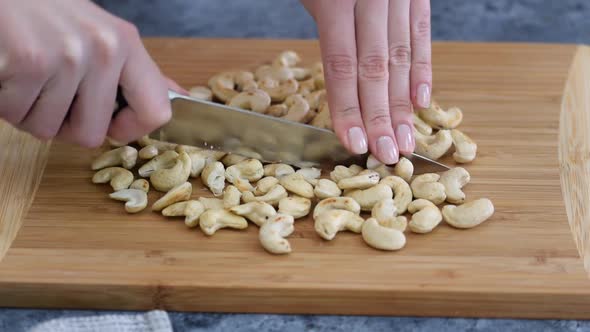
(270, 139)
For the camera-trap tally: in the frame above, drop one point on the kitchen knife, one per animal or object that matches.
(270, 139)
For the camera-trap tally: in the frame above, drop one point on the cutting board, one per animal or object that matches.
(76, 248)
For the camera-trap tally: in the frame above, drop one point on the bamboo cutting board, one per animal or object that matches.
(76, 248)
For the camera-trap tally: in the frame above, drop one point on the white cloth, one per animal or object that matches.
(151, 321)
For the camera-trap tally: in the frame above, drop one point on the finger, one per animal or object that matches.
(172, 85)
(338, 45)
(400, 105)
(146, 92)
(373, 77)
(421, 72)
(17, 97)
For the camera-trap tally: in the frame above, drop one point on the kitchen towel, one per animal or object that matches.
(151, 321)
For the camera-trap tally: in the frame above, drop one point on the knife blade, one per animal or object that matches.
(270, 139)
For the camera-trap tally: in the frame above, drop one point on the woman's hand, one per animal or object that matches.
(376, 56)
(60, 64)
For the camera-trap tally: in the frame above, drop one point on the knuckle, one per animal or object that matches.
(31, 60)
(127, 30)
(400, 105)
(422, 25)
(73, 53)
(422, 66)
(339, 66)
(373, 67)
(106, 44)
(157, 119)
(400, 55)
(89, 140)
(343, 112)
(380, 117)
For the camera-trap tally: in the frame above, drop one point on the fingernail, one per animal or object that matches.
(405, 139)
(423, 95)
(387, 150)
(357, 140)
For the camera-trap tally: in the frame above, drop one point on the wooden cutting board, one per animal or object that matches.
(79, 249)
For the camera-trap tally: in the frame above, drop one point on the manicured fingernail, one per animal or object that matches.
(405, 139)
(387, 150)
(357, 140)
(423, 96)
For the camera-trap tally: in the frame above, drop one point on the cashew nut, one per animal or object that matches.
(136, 200)
(298, 207)
(469, 214)
(381, 237)
(114, 143)
(453, 180)
(201, 92)
(287, 59)
(402, 193)
(342, 172)
(275, 73)
(200, 158)
(336, 203)
(272, 197)
(165, 160)
(278, 170)
(362, 181)
(272, 234)
(244, 80)
(277, 110)
(437, 118)
(231, 197)
(277, 90)
(162, 146)
(141, 184)
(248, 169)
(264, 185)
(256, 100)
(306, 87)
(310, 174)
(223, 86)
(326, 189)
(179, 193)
(191, 210)
(434, 146)
(165, 179)
(425, 216)
(298, 108)
(213, 220)
(316, 99)
(323, 119)
(465, 147)
(330, 222)
(367, 198)
(426, 186)
(232, 158)
(148, 152)
(125, 156)
(256, 212)
(120, 178)
(297, 184)
(213, 176)
(211, 203)
(386, 214)
(404, 169)
(421, 126)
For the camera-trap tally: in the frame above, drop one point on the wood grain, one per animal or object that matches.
(78, 249)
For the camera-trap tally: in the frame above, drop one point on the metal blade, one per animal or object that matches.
(219, 127)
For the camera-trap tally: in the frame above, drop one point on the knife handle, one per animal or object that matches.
(121, 102)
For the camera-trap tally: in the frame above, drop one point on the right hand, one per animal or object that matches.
(67, 57)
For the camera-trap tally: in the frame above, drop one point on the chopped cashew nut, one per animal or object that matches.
(248, 169)
(454, 180)
(402, 193)
(310, 174)
(256, 212)
(125, 156)
(165, 179)
(223, 86)
(136, 200)
(119, 177)
(421, 126)
(298, 207)
(212, 203)
(213, 220)
(342, 172)
(264, 185)
(297, 184)
(177, 194)
(381, 237)
(437, 118)
(367, 198)
(165, 160)
(213, 176)
(362, 181)
(272, 234)
(434, 146)
(201, 92)
(278, 170)
(465, 147)
(425, 216)
(386, 215)
(272, 197)
(469, 214)
(279, 91)
(200, 158)
(404, 169)
(148, 152)
(231, 197)
(336, 203)
(326, 189)
(298, 108)
(330, 222)
(323, 119)
(232, 159)
(427, 186)
(141, 184)
(256, 100)
(191, 210)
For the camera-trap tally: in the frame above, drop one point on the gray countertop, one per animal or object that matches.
(558, 21)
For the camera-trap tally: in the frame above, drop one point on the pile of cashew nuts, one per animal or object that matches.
(380, 202)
